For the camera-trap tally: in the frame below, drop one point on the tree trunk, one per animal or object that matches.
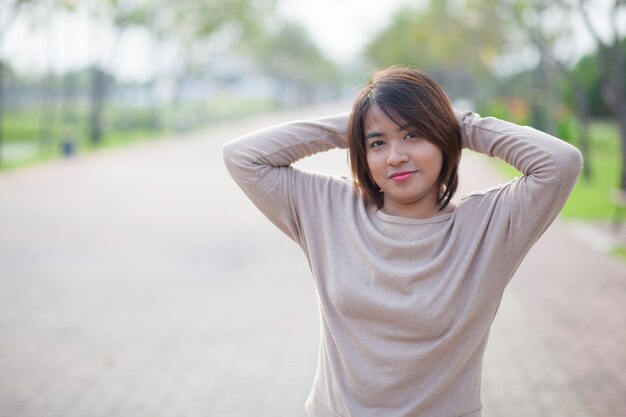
(548, 97)
(47, 115)
(619, 83)
(621, 122)
(98, 93)
(582, 114)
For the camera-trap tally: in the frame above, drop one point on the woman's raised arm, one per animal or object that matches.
(550, 168)
(260, 163)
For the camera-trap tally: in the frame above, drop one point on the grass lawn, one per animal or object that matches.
(620, 251)
(22, 134)
(24, 144)
(593, 199)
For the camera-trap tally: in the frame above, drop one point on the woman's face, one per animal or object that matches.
(404, 166)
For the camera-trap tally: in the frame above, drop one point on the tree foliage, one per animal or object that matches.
(287, 54)
(290, 53)
(456, 43)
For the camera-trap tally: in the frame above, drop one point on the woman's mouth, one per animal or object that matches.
(401, 176)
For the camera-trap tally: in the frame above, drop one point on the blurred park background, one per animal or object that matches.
(139, 281)
(83, 75)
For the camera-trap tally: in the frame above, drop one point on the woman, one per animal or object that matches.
(408, 282)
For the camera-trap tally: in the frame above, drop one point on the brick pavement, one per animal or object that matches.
(140, 282)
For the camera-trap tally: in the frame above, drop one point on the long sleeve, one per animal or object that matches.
(550, 168)
(260, 163)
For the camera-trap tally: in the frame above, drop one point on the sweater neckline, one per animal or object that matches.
(438, 218)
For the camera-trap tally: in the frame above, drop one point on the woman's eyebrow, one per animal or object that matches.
(373, 135)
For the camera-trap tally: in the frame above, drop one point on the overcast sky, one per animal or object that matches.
(342, 27)
(339, 27)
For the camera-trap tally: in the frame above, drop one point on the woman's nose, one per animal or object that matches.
(397, 155)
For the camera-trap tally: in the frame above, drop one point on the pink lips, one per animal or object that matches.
(402, 176)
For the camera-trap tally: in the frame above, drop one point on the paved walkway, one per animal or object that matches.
(140, 283)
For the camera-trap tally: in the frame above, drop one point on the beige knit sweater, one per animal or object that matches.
(405, 304)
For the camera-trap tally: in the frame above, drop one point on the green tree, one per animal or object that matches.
(192, 25)
(611, 65)
(184, 22)
(9, 10)
(123, 14)
(586, 70)
(546, 26)
(289, 55)
(552, 37)
(450, 40)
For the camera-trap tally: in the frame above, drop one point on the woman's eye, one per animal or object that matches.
(376, 143)
(410, 136)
